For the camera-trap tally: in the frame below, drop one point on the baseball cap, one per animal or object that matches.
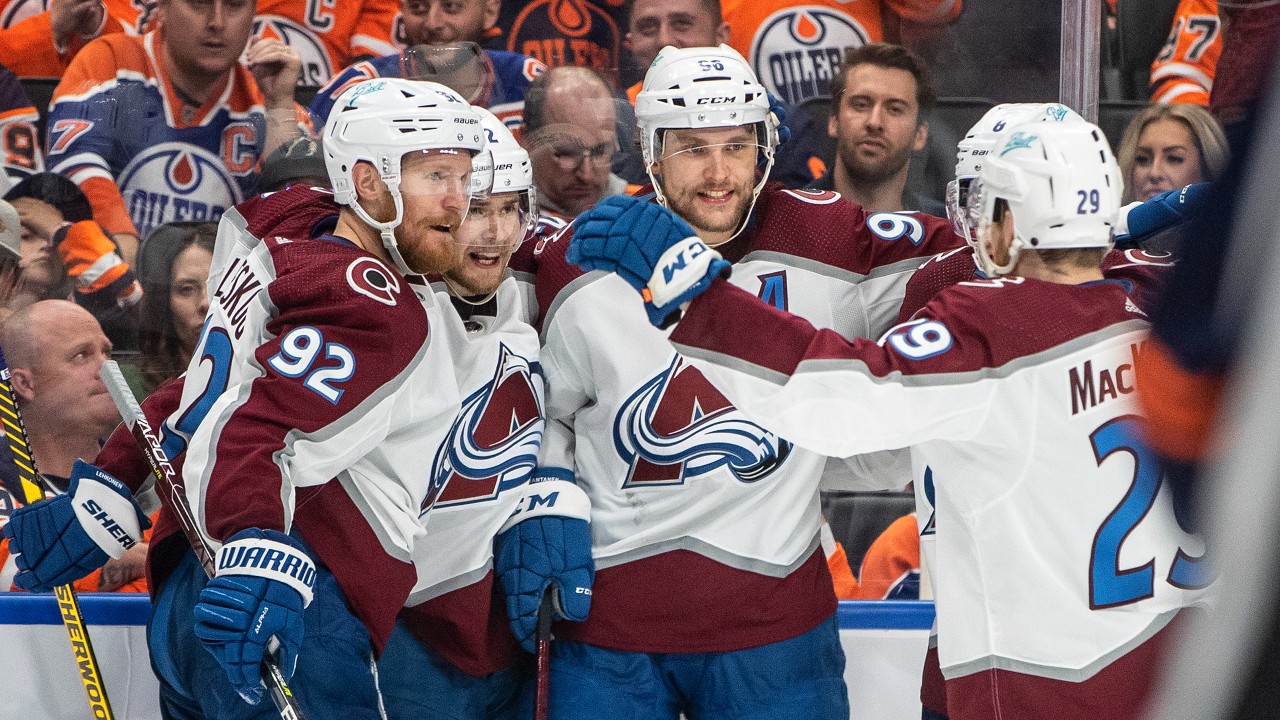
(297, 159)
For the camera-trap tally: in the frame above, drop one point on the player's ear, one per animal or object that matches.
(366, 181)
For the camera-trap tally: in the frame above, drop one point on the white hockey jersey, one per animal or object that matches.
(489, 454)
(316, 363)
(705, 525)
(1058, 555)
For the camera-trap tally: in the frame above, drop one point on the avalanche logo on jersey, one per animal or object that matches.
(678, 426)
(798, 49)
(493, 444)
(316, 63)
(176, 181)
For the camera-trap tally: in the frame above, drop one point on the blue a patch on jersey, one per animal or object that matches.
(677, 426)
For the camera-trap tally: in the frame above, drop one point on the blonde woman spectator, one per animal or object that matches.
(1170, 146)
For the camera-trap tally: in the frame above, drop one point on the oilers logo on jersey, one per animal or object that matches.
(677, 426)
(315, 58)
(493, 444)
(162, 183)
(797, 50)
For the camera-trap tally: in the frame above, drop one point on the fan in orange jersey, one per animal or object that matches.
(327, 34)
(794, 46)
(170, 126)
(1183, 71)
(38, 38)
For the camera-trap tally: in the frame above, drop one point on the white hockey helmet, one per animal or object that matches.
(978, 145)
(1061, 183)
(503, 167)
(379, 121)
(702, 87)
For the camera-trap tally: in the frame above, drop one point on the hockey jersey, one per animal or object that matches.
(1146, 271)
(795, 46)
(315, 399)
(1059, 561)
(26, 34)
(20, 154)
(327, 34)
(118, 129)
(456, 608)
(583, 33)
(509, 75)
(1183, 71)
(693, 505)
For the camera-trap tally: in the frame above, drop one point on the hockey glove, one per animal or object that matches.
(62, 539)
(546, 543)
(264, 581)
(779, 111)
(91, 260)
(650, 247)
(1138, 222)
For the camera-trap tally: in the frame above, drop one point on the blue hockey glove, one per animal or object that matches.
(779, 111)
(650, 247)
(62, 539)
(264, 581)
(546, 543)
(1138, 222)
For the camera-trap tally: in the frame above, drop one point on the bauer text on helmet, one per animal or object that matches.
(380, 122)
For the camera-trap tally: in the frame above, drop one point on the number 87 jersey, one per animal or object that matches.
(1058, 556)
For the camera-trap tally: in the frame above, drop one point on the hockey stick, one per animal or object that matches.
(23, 480)
(169, 484)
(543, 688)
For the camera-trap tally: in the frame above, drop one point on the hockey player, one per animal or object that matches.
(712, 593)
(453, 653)
(304, 415)
(1060, 563)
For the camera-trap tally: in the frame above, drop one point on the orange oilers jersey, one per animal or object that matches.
(117, 128)
(564, 32)
(329, 35)
(794, 46)
(26, 35)
(891, 567)
(1183, 71)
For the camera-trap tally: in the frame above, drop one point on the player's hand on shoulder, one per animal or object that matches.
(650, 247)
(62, 539)
(546, 544)
(264, 581)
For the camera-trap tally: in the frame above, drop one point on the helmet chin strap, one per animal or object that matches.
(746, 216)
(987, 264)
(457, 292)
(387, 229)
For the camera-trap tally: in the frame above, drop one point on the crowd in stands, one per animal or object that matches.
(169, 112)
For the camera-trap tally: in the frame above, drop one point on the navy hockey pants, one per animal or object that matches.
(418, 684)
(797, 679)
(334, 679)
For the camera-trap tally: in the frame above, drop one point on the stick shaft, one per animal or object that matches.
(169, 484)
(23, 480)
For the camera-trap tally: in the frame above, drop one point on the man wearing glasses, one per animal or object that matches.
(570, 131)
